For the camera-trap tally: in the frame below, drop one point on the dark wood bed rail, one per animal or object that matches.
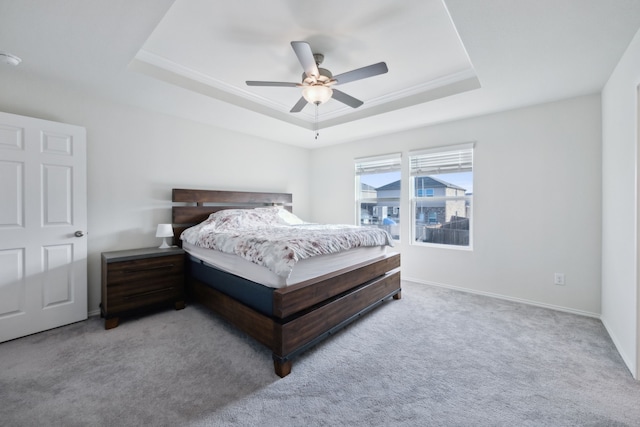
(229, 197)
(301, 296)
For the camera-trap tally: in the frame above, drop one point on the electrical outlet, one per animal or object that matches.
(558, 279)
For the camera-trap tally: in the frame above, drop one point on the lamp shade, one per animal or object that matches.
(317, 94)
(164, 230)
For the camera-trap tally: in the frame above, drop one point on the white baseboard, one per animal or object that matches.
(505, 297)
(95, 312)
(627, 360)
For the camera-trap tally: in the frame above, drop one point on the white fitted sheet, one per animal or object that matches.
(304, 269)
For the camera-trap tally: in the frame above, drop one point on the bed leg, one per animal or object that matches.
(398, 295)
(111, 322)
(282, 367)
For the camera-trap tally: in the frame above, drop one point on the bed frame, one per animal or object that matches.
(304, 313)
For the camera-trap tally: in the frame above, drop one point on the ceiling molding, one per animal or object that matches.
(453, 88)
(180, 80)
(161, 68)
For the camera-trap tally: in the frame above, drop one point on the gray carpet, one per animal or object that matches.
(435, 357)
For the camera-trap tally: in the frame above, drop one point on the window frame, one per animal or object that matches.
(370, 165)
(439, 161)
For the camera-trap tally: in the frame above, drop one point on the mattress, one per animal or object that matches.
(304, 269)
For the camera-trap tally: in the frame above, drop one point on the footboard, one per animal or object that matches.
(309, 327)
(293, 299)
(310, 311)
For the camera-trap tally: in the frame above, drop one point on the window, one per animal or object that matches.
(441, 195)
(378, 192)
(425, 192)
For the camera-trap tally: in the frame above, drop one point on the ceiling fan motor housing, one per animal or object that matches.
(325, 76)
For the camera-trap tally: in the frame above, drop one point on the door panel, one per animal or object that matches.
(57, 194)
(12, 281)
(12, 206)
(57, 276)
(10, 137)
(43, 270)
(57, 144)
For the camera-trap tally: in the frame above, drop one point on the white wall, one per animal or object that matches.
(537, 202)
(537, 186)
(136, 157)
(620, 206)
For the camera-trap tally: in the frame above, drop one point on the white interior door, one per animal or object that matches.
(43, 221)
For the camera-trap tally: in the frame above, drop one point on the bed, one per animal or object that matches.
(286, 318)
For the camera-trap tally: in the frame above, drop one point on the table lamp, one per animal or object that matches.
(164, 231)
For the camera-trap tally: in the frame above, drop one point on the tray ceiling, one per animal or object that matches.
(197, 47)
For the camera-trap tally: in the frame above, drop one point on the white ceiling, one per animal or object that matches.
(447, 60)
(195, 41)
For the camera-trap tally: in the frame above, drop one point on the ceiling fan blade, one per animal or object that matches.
(299, 105)
(305, 56)
(362, 73)
(282, 84)
(346, 99)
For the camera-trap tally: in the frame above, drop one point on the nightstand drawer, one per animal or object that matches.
(132, 295)
(144, 269)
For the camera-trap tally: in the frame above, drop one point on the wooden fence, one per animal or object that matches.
(445, 236)
(455, 232)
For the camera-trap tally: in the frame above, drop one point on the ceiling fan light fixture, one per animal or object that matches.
(317, 94)
(316, 81)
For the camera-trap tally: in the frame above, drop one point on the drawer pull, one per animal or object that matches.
(159, 267)
(144, 294)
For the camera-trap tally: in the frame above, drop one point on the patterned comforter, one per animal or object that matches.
(276, 239)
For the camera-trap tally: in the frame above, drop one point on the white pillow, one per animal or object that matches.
(281, 215)
(289, 218)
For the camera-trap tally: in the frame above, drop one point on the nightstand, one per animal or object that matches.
(140, 279)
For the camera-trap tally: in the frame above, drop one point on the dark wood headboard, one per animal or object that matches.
(191, 207)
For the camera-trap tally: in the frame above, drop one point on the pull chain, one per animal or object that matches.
(316, 124)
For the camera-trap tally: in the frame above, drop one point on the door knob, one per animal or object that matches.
(78, 233)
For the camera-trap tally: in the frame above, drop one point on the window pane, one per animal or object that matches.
(443, 221)
(432, 185)
(379, 201)
(441, 194)
(370, 184)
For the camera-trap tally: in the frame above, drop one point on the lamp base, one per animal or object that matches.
(164, 244)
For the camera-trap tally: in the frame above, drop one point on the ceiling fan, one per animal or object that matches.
(316, 82)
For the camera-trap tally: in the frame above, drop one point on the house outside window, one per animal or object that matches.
(425, 192)
(432, 217)
(442, 195)
(378, 192)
